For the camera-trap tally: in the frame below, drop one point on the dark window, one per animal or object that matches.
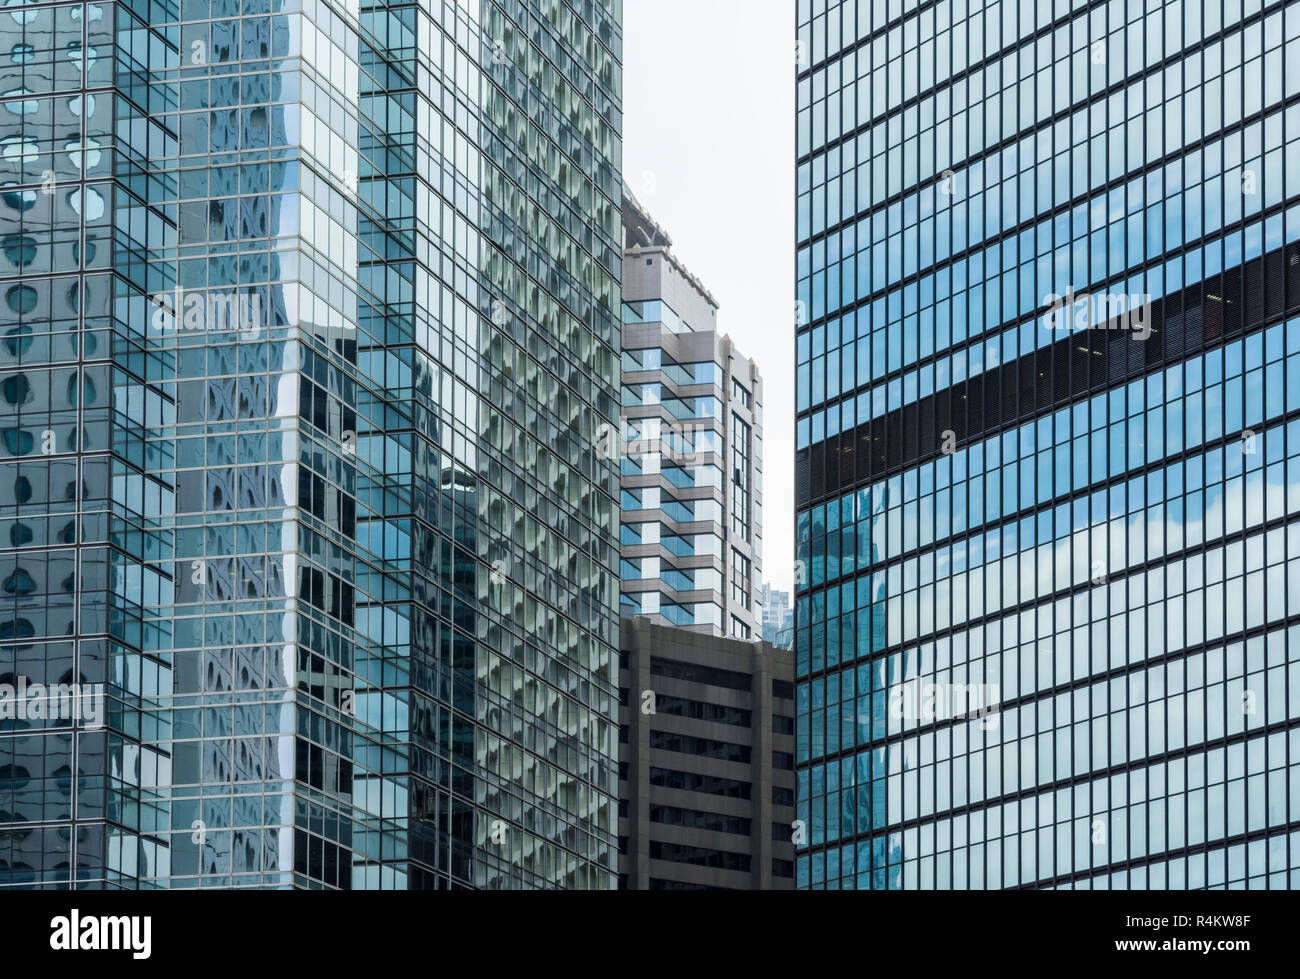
(782, 724)
(699, 674)
(695, 819)
(695, 782)
(782, 868)
(782, 796)
(783, 689)
(701, 747)
(699, 856)
(783, 760)
(701, 711)
(740, 434)
(677, 885)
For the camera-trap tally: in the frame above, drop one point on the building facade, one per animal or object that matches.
(309, 327)
(706, 761)
(1048, 375)
(691, 452)
(778, 617)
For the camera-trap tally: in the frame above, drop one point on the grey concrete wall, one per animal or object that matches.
(642, 640)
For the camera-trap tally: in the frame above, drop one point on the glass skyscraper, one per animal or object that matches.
(1048, 444)
(308, 326)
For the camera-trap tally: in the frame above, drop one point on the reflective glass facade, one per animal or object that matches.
(308, 322)
(1048, 450)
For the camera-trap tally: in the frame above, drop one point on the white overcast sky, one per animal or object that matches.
(708, 149)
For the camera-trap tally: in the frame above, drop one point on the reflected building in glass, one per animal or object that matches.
(1048, 444)
(309, 317)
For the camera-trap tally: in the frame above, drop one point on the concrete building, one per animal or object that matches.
(692, 461)
(706, 761)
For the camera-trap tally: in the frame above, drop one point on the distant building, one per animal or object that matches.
(778, 618)
(692, 460)
(706, 761)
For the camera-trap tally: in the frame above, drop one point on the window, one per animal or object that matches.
(699, 856)
(741, 578)
(740, 393)
(698, 673)
(740, 502)
(696, 782)
(702, 711)
(695, 819)
(703, 747)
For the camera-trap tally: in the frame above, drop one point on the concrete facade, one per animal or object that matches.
(692, 472)
(706, 749)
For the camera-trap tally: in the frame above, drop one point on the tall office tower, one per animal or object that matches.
(1047, 444)
(778, 617)
(692, 454)
(308, 327)
(706, 761)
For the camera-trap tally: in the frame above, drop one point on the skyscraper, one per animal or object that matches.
(309, 325)
(1046, 461)
(692, 453)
